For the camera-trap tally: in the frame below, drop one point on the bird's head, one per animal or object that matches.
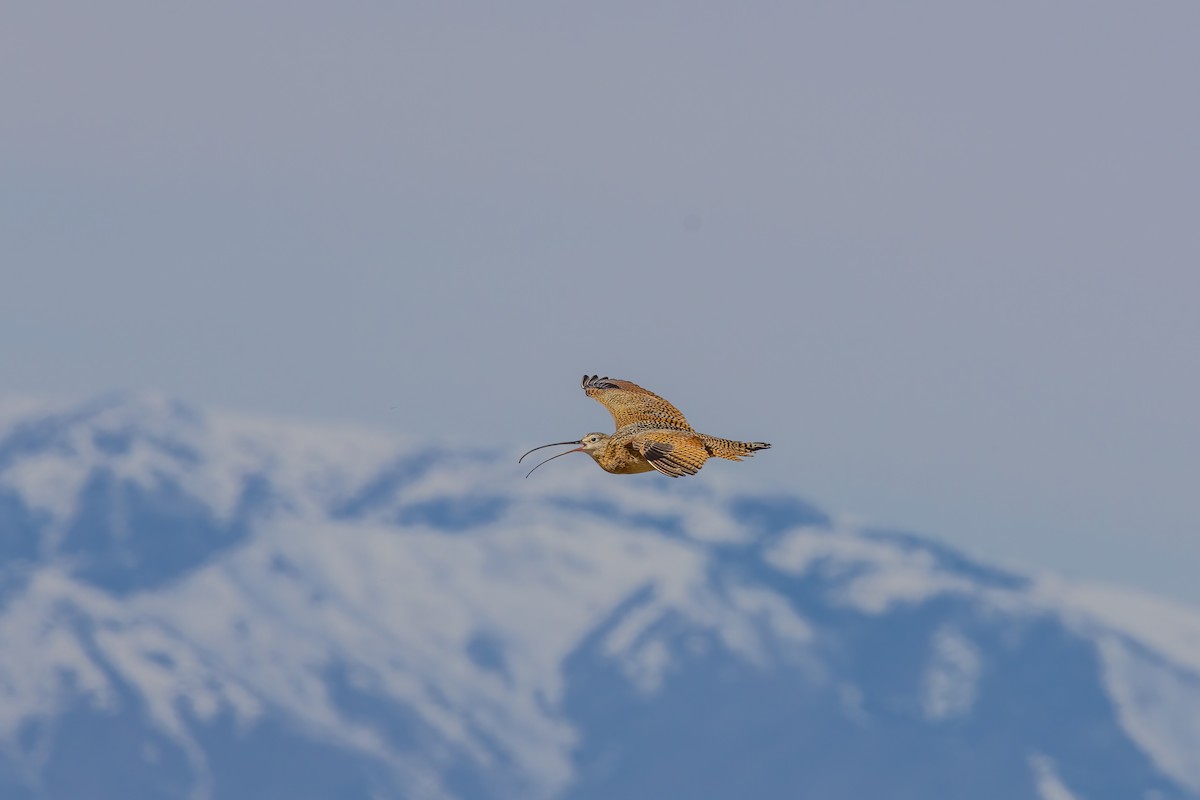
(592, 443)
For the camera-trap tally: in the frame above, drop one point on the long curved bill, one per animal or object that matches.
(551, 458)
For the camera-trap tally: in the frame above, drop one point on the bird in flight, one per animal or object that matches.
(651, 435)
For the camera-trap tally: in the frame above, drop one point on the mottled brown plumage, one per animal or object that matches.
(630, 404)
(651, 434)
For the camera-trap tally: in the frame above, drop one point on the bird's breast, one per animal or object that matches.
(621, 459)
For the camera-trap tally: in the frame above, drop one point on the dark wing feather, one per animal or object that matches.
(673, 453)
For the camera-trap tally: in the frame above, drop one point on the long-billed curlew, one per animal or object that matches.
(651, 434)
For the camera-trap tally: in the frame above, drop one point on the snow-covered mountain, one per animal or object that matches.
(209, 606)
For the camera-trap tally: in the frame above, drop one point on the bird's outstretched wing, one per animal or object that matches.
(674, 453)
(630, 403)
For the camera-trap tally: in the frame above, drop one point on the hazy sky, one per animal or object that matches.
(945, 256)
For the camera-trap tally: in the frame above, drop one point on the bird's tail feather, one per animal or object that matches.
(728, 448)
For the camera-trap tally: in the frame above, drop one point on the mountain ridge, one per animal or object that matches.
(229, 594)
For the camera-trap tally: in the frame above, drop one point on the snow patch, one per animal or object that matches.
(1172, 629)
(1149, 650)
(1158, 704)
(1045, 779)
(951, 678)
(16, 409)
(876, 575)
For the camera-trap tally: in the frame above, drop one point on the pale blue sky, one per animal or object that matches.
(945, 256)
